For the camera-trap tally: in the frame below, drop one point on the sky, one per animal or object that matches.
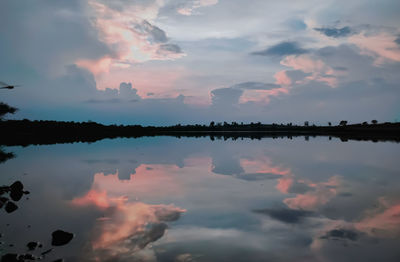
(162, 62)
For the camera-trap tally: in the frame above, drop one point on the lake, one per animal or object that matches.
(188, 199)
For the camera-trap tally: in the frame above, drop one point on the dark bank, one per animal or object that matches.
(27, 132)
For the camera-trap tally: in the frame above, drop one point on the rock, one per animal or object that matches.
(27, 257)
(32, 245)
(10, 207)
(16, 190)
(61, 238)
(17, 186)
(16, 195)
(9, 258)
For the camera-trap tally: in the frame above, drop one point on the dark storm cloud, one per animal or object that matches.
(226, 164)
(289, 216)
(35, 38)
(256, 86)
(231, 95)
(340, 68)
(296, 75)
(335, 32)
(156, 34)
(226, 96)
(397, 40)
(341, 234)
(151, 234)
(299, 188)
(282, 49)
(256, 176)
(170, 48)
(126, 91)
(125, 94)
(345, 194)
(120, 5)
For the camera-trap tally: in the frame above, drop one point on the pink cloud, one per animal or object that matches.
(282, 78)
(263, 165)
(129, 225)
(149, 181)
(129, 220)
(158, 80)
(323, 192)
(381, 46)
(317, 68)
(284, 184)
(261, 96)
(129, 34)
(97, 67)
(93, 197)
(383, 221)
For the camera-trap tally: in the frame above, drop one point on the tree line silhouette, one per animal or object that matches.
(25, 132)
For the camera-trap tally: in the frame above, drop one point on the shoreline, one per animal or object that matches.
(26, 132)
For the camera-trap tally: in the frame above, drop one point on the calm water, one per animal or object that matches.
(169, 199)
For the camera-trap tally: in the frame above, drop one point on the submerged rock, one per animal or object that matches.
(17, 186)
(10, 258)
(61, 238)
(18, 258)
(10, 207)
(16, 191)
(33, 245)
(27, 257)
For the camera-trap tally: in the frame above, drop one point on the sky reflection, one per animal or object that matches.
(168, 199)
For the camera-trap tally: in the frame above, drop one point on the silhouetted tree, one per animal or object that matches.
(374, 122)
(212, 124)
(365, 123)
(6, 109)
(329, 124)
(306, 123)
(343, 123)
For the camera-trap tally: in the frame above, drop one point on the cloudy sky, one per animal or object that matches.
(194, 61)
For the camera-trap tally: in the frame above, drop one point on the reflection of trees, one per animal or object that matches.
(4, 156)
(25, 132)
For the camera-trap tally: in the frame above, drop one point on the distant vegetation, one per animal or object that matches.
(25, 132)
(6, 109)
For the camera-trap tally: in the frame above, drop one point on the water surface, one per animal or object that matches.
(169, 199)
